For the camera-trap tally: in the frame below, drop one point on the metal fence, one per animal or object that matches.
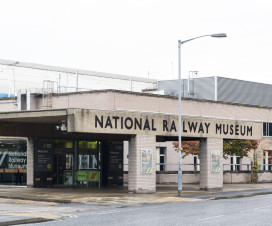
(226, 167)
(246, 167)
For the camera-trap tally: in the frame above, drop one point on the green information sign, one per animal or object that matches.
(90, 175)
(81, 175)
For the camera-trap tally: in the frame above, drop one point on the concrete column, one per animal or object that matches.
(211, 174)
(30, 162)
(75, 163)
(139, 181)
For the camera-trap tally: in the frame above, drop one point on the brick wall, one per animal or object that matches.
(210, 180)
(141, 182)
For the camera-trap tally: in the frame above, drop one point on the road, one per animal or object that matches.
(244, 211)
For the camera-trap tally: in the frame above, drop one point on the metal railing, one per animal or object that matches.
(266, 167)
(174, 167)
(245, 167)
(236, 167)
(169, 167)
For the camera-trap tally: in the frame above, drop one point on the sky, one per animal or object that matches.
(140, 37)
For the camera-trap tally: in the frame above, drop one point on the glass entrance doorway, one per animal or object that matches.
(112, 166)
(88, 173)
(82, 163)
(63, 168)
(63, 163)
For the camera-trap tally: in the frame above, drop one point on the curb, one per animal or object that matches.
(63, 201)
(25, 221)
(240, 196)
(69, 201)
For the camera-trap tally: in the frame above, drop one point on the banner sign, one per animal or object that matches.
(146, 161)
(43, 156)
(215, 164)
(81, 175)
(88, 175)
(93, 176)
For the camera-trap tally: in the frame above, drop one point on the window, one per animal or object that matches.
(238, 163)
(63, 144)
(87, 161)
(267, 129)
(267, 160)
(161, 151)
(235, 163)
(196, 163)
(88, 155)
(13, 162)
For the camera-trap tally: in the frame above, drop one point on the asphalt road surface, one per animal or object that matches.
(243, 211)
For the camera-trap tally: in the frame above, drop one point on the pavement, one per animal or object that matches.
(119, 196)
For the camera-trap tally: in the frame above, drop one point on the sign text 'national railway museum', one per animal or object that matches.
(128, 122)
(167, 125)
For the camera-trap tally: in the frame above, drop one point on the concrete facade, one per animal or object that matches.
(142, 121)
(211, 178)
(80, 109)
(30, 162)
(139, 181)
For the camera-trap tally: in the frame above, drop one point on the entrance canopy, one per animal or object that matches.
(132, 123)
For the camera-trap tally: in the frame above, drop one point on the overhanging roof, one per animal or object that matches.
(41, 116)
(94, 121)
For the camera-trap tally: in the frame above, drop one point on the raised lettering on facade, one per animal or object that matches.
(170, 126)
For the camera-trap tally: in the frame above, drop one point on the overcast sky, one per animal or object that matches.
(139, 37)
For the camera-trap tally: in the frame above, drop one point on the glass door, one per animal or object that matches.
(63, 167)
(88, 172)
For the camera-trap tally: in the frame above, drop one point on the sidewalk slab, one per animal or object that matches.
(120, 195)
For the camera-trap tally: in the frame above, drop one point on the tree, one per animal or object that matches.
(256, 157)
(240, 148)
(243, 148)
(189, 147)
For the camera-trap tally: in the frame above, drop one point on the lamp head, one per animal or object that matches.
(219, 35)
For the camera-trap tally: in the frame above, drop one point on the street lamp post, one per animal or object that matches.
(220, 35)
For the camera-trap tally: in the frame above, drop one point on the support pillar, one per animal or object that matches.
(211, 164)
(30, 162)
(142, 171)
(75, 163)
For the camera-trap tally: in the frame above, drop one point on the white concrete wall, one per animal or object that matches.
(138, 181)
(228, 178)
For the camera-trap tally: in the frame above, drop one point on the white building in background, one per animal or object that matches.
(15, 75)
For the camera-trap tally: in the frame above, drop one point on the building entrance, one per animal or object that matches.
(63, 167)
(80, 163)
(112, 163)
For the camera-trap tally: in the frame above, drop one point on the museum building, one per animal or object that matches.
(110, 137)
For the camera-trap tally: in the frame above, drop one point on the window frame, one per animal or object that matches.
(267, 132)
